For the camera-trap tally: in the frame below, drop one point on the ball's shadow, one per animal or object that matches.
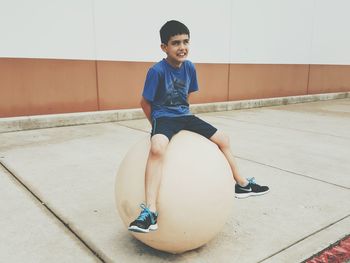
(143, 249)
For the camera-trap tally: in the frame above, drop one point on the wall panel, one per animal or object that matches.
(271, 31)
(129, 30)
(263, 81)
(331, 38)
(61, 29)
(329, 78)
(120, 84)
(213, 83)
(44, 86)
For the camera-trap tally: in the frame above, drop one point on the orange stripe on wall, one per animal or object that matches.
(329, 78)
(45, 86)
(256, 81)
(213, 83)
(120, 83)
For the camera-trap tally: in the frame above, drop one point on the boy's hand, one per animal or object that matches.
(146, 107)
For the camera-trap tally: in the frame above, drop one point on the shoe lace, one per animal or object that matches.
(251, 180)
(144, 213)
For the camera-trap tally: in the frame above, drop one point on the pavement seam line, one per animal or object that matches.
(335, 244)
(132, 128)
(306, 237)
(288, 171)
(16, 178)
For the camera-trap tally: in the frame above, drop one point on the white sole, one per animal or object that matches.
(245, 195)
(141, 230)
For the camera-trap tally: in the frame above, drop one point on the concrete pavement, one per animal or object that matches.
(57, 188)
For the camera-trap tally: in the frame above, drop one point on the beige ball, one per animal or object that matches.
(195, 197)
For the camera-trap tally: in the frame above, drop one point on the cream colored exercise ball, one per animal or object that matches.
(195, 196)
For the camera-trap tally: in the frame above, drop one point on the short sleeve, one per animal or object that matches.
(194, 83)
(151, 84)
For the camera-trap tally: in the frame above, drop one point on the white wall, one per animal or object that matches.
(271, 31)
(47, 29)
(129, 30)
(331, 34)
(222, 31)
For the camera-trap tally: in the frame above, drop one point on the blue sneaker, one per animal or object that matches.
(251, 189)
(147, 221)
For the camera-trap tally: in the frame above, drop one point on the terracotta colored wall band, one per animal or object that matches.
(45, 86)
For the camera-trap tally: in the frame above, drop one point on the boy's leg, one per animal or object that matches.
(159, 143)
(162, 131)
(205, 129)
(244, 187)
(223, 142)
(147, 220)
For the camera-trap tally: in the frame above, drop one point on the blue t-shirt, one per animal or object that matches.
(167, 88)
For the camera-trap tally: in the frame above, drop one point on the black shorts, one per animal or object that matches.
(169, 126)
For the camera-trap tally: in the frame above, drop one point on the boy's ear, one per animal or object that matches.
(164, 47)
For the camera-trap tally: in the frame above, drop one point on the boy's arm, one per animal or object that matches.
(146, 107)
(189, 96)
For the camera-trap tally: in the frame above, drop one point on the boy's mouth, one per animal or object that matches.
(181, 54)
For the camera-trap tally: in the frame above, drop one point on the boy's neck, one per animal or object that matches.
(173, 63)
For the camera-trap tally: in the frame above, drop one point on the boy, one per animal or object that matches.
(168, 86)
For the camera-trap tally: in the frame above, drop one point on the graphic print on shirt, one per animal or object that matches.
(176, 93)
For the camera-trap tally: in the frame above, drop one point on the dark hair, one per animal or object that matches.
(172, 28)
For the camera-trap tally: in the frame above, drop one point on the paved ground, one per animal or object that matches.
(57, 189)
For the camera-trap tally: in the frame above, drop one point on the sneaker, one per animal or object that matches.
(147, 221)
(251, 189)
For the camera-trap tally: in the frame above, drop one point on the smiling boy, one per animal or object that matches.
(167, 89)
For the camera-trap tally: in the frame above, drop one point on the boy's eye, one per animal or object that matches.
(177, 43)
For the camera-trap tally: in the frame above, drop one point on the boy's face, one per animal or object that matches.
(177, 49)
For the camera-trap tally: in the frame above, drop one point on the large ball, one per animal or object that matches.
(195, 197)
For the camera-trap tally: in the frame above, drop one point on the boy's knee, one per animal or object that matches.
(222, 140)
(159, 144)
(225, 140)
